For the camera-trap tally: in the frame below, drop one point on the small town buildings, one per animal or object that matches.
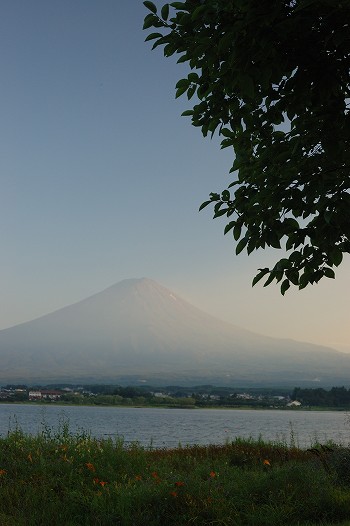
(44, 394)
(294, 403)
(34, 395)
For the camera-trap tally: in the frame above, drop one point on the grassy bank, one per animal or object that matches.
(59, 479)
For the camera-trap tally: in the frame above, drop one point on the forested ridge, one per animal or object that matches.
(335, 397)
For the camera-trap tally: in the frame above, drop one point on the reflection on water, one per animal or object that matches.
(171, 427)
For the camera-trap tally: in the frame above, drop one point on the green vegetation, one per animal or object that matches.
(57, 478)
(273, 79)
(149, 396)
(176, 396)
(338, 397)
(200, 396)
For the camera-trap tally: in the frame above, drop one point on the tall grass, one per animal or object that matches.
(57, 478)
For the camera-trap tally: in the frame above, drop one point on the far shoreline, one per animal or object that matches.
(164, 406)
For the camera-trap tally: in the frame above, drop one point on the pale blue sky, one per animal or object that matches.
(101, 178)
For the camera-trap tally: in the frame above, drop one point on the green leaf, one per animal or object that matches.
(226, 143)
(241, 245)
(318, 275)
(193, 77)
(158, 43)
(336, 257)
(229, 226)
(251, 246)
(182, 83)
(290, 242)
(260, 275)
(149, 21)
(247, 86)
(283, 264)
(304, 280)
(282, 157)
(180, 92)
(233, 184)
(225, 196)
(285, 286)
(198, 11)
(165, 11)
(150, 6)
(296, 257)
(169, 50)
(270, 278)
(237, 164)
(328, 272)
(328, 216)
(279, 275)
(290, 114)
(217, 206)
(221, 212)
(305, 4)
(237, 231)
(226, 132)
(273, 241)
(291, 223)
(191, 91)
(226, 42)
(183, 58)
(293, 276)
(187, 113)
(178, 5)
(213, 125)
(152, 36)
(203, 205)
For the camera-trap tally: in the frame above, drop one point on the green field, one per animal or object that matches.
(57, 478)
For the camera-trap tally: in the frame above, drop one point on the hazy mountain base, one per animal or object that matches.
(182, 380)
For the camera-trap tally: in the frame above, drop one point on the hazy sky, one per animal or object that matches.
(101, 179)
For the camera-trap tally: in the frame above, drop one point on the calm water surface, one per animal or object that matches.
(162, 427)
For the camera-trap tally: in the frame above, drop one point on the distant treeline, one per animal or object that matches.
(335, 397)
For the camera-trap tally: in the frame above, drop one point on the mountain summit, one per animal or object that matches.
(137, 330)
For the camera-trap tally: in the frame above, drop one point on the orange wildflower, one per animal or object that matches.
(173, 494)
(155, 475)
(212, 474)
(96, 480)
(103, 483)
(266, 462)
(90, 466)
(3, 471)
(138, 477)
(179, 483)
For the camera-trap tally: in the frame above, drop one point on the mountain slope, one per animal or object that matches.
(137, 328)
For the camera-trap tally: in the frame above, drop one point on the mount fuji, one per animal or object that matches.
(139, 331)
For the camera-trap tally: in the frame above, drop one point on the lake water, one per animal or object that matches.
(160, 427)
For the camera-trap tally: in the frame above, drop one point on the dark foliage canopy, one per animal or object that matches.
(272, 78)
